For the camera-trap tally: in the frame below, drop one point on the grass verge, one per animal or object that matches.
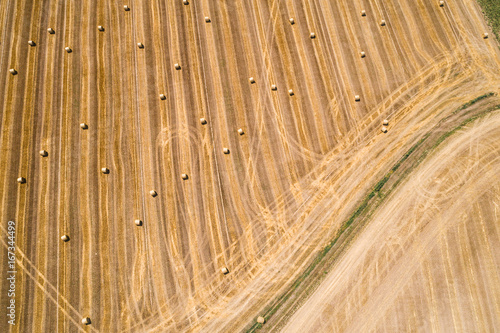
(491, 8)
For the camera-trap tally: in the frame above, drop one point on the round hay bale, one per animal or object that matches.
(153, 193)
(240, 131)
(184, 176)
(363, 13)
(31, 43)
(126, 8)
(84, 126)
(485, 35)
(385, 122)
(177, 66)
(312, 35)
(207, 19)
(261, 320)
(13, 71)
(86, 321)
(140, 45)
(290, 92)
(203, 121)
(292, 21)
(252, 80)
(21, 180)
(100, 28)
(44, 153)
(382, 23)
(441, 3)
(138, 223)
(384, 129)
(225, 150)
(65, 238)
(274, 88)
(163, 97)
(105, 171)
(68, 49)
(363, 54)
(224, 270)
(357, 98)
(51, 31)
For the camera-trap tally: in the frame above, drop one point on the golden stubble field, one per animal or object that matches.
(262, 210)
(429, 259)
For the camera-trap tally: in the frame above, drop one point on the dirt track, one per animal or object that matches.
(262, 210)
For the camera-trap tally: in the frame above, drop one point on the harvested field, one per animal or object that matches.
(300, 167)
(429, 258)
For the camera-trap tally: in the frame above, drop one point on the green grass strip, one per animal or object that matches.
(491, 8)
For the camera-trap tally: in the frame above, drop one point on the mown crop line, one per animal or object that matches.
(367, 206)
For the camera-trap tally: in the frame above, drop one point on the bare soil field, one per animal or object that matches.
(288, 181)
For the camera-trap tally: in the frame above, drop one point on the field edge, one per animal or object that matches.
(309, 280)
